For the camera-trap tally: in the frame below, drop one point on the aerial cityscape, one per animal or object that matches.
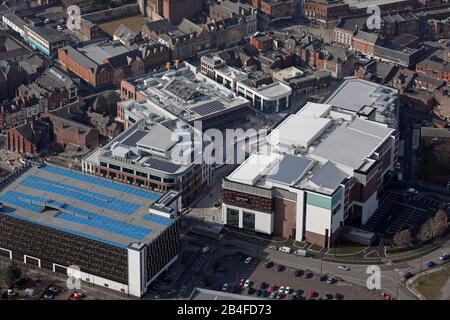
(242, 150)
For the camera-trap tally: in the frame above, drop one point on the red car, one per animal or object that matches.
(272, 288)
(76, 296)
(242, 282)
(312, 294)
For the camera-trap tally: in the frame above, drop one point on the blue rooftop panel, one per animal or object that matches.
(157, 219)
(77, 215)
(101, 182)
(23, 201)
(88, 196)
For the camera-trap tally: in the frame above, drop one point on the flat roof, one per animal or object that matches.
(84, 205)
(354, 94)
(289, 170)
(348, 146)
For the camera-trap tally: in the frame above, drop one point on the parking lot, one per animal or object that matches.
(403, 210)
(233, 269)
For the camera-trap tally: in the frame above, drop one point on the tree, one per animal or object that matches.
(433, 227)
(402, 238)
(11, 274)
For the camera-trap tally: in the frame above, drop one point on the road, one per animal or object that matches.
(391, 274)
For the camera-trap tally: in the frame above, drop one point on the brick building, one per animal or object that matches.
(325, 11)
(437, 66)
(30, 138)
(276, 9)
(176, 10)
(262, 42)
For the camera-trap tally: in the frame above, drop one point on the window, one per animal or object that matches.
(269, 106)
(248, 220)
(103, 164)
(126, 170)
(113, 166)
(283, 103)
(155, 178)
(233, 217)
(141, 174)
(257, 102)
(336, 210)
(168, 180)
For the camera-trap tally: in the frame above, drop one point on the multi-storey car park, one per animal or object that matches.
(118, 236)
(324, 168)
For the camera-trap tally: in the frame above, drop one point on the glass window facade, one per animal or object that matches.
(232, 217)
(248, 220)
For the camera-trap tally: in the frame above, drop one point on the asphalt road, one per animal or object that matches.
(391, 274)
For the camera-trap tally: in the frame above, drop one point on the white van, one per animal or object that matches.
(285, 249)
(300, 252)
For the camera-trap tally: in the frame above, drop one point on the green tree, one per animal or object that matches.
(11, 274)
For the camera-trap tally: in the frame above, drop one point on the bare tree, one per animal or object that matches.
(402, 238)
(433, 227)
(440, 222)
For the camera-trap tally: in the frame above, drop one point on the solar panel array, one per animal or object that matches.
(135, 137)
(162, 165)
(208, 108)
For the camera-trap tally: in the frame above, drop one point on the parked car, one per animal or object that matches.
(287, 290)
(251, 290)
(264, 285)
(307, 274)
(30, 292)
(412, 190)
(323, 278)
(76, 296)
(301, 252)
(273, 295)
(285, 249)
(280, 268)
(281, 289)
(444, 256)
(329, 296)
(338, 296)
(331, 280)
(268, 264)
(54, 290)
(430, 264)
(48, 296)
(11, 293)
(273, 288)
(205, 249)
(312, 294)
(259, 292)
(225, 287)
(342, 267)
(248, 283)
(265, 293)
(248, 260)
(241, 282)
(298, 273)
